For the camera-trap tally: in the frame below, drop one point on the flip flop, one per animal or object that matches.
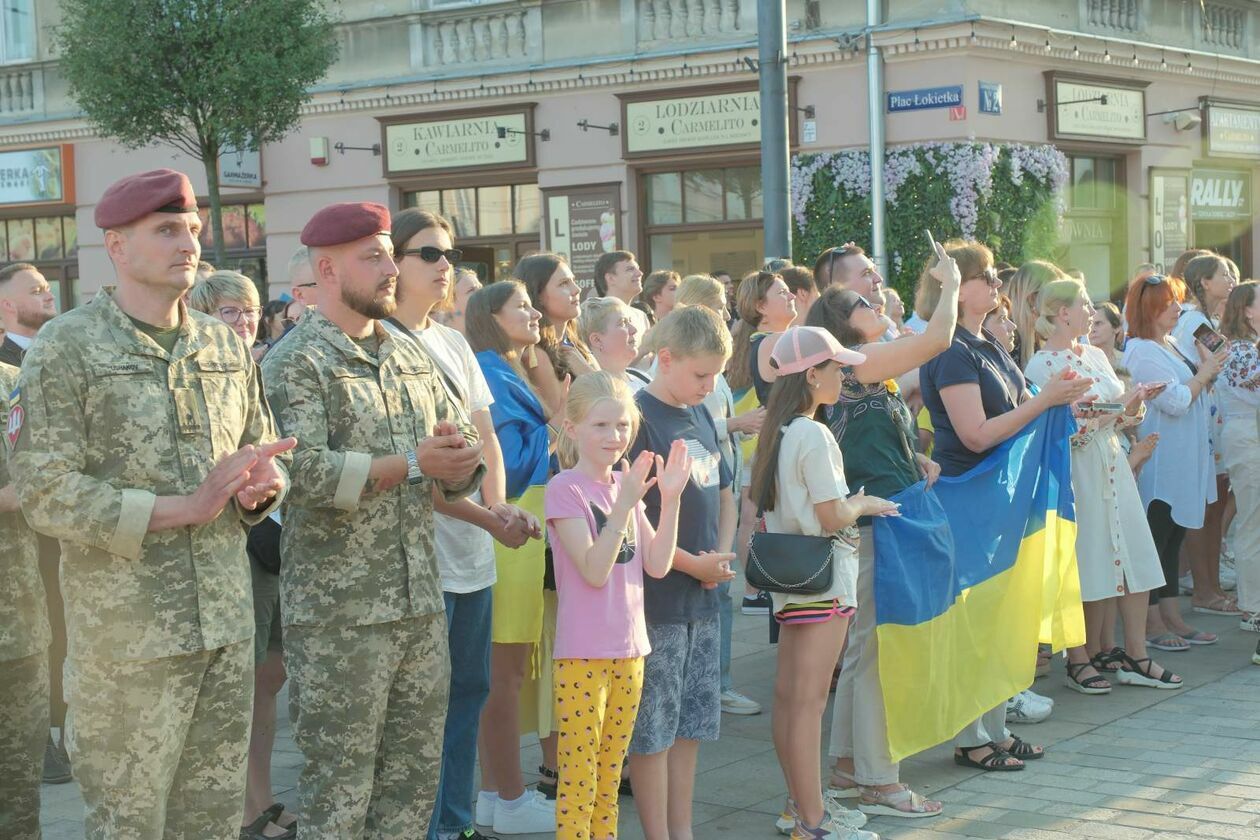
(1168, 641)
(1217, 606)
(1198, 637)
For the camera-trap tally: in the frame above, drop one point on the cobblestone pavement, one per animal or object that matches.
(1135, 764)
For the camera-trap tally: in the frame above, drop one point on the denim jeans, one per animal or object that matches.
(725, 618)
(468, 637)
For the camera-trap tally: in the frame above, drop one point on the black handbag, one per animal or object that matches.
(791, 564)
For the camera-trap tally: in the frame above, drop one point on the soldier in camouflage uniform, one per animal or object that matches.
(365, 631)
(24, 638)
(142, 442)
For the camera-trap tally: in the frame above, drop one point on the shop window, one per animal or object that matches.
(244, 228)
(1093, 183)
(52, 244)
(699, 220)
(483, 212)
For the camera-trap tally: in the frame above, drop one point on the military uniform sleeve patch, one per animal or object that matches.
(16, 415)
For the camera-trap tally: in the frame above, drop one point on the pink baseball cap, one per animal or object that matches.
(801, 348)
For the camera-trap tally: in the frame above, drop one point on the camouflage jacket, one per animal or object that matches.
(103, 422)
(23, 612)
(351, 555)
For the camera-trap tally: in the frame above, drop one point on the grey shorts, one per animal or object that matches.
(267, 631)
(682, 686)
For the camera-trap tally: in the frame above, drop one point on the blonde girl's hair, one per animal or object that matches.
(596, 313)
(1052, 297)
(585, 393)
(702, 290)
(207, 294)
(752, 293)
(1024, 290)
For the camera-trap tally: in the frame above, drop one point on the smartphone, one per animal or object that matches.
(1209, 338)
(931, 241)
(1105, 407)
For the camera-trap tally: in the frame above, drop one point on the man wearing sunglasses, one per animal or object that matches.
(848, 267)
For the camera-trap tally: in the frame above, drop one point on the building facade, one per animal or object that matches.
(587, 125)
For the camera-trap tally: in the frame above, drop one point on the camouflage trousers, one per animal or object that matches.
(23, 733)
(158, 745)
(370, 722)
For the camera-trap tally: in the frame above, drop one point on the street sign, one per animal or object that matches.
(958, 113)
(923, 98)
(991, 98)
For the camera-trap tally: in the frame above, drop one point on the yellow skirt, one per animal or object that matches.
(518, 589)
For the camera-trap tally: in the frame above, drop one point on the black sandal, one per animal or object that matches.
(1096, 684)
(1134, 672)
(994, 761)
(1023, 750)
(1105, 663)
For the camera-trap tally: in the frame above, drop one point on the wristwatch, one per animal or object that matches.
(414, 473)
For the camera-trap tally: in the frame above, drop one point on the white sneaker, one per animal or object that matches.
(1038, 698)
(1019, 709)
(486, 800)
(531, 814)
(734, 703)
(830, 830)
(1250, 623)
(1186, 584)
(844, 817)
(1229, 579)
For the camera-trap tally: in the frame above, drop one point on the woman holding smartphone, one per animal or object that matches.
(1115, 554)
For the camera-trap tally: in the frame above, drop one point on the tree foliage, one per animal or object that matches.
(199, 75)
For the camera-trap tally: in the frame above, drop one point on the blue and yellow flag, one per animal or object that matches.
(973, 574)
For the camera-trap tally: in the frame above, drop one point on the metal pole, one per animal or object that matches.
(875, 110)
(775, 174)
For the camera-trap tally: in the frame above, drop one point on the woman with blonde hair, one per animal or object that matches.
(607, 328)
(1022, 290)
(1115, 553)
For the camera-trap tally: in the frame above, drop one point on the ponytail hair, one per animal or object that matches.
(1197, 270)
(1051, 299)
(789, 396)
(587, 392)
(751, 294)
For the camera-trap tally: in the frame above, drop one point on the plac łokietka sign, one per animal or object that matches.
(949, 96)
(691, 122)
(449, 144)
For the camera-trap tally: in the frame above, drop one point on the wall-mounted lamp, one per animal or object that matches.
(375, 149)
(808, 111)
(1101, 100)
(612, 128)
(503, 131)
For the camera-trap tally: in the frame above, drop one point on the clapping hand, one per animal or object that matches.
(717, 570)
(672, 475)
(265, 479)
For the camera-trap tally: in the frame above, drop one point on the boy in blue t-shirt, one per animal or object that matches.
(681, 702)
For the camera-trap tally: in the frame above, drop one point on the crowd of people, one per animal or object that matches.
(451, 514)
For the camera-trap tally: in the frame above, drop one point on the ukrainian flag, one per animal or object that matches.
(972, 575)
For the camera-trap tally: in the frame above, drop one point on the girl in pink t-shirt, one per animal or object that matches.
(602, 543)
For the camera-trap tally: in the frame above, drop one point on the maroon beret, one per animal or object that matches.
(348, 221)
(136, 196)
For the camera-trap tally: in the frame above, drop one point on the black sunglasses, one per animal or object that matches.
(431, 254)
(1153, 280)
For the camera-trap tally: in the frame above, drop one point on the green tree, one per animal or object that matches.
(200, 75)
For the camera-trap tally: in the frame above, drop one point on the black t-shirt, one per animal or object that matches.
(876, 435)
(978, 360)
(678, 598)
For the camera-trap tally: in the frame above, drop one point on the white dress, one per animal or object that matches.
(1180, 473)
(1114, 549)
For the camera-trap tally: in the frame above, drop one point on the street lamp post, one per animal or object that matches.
(775, 174)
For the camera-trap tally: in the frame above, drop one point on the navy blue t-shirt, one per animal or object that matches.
(678, 598)
(970, 359)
